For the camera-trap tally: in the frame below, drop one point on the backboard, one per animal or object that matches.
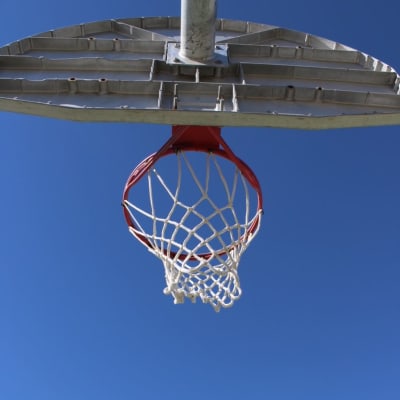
(131, 70)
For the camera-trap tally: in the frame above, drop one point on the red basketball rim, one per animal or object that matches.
(184, 139)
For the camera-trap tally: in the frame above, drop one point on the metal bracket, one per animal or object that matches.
(220, 58)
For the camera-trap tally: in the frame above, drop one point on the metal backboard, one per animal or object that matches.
(130, 70)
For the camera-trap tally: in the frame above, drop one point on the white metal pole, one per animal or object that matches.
(198, 29)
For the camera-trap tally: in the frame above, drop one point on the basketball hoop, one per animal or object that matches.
(214, 71)
(200, 226)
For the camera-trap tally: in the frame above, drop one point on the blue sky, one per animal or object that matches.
(82, 313)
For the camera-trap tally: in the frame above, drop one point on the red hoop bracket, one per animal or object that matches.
(203, 137)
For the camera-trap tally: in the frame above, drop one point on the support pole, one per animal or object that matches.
(198, 29)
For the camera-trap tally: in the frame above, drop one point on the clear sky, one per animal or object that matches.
(82, 313)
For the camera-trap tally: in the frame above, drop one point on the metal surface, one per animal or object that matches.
(130, 70)
(198, 29)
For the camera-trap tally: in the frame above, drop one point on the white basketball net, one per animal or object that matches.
(199, 242)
